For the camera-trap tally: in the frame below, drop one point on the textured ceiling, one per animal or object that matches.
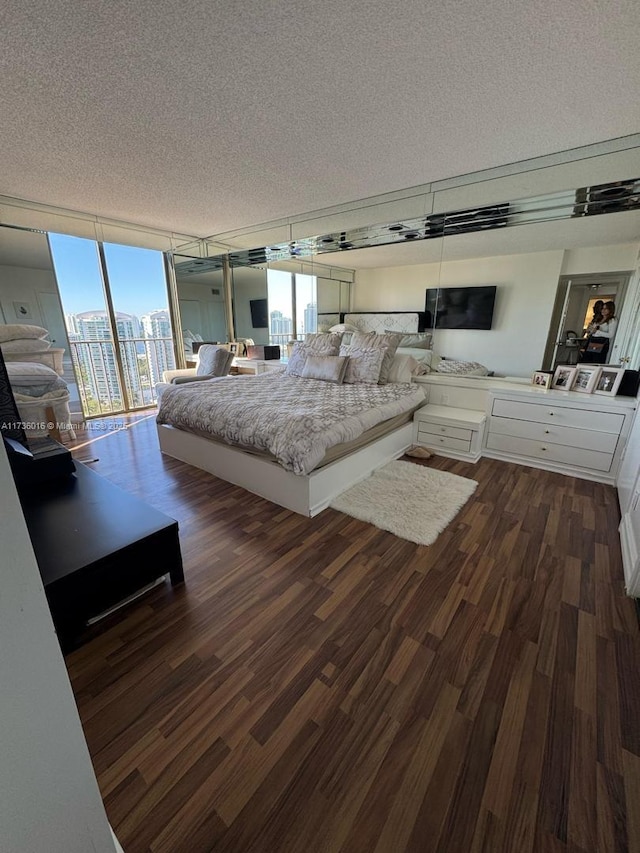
(202, 117)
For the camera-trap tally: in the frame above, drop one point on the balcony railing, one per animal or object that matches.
(99, 387)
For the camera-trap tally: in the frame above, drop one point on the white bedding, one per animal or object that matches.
(296, 420)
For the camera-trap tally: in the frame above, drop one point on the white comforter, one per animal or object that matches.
(296, 420)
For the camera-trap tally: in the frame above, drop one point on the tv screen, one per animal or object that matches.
(259, 313)
(460, 307)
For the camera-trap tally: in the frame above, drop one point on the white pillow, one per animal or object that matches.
(29, 372)
(420, 340)
(343, 327)
(25, 345)
(425, 355)
(18, 331)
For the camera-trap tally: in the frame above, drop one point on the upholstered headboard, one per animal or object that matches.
(377, 321)
(392, 321)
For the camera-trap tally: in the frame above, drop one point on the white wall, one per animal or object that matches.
(600, 259)
(526, 283)
(524, 301)
(23, 284)
(49, 797)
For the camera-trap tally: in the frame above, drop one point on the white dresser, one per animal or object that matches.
(577, 434)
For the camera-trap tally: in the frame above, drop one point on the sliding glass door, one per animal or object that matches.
(116, 307)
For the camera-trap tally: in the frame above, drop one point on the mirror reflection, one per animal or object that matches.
(201, 300)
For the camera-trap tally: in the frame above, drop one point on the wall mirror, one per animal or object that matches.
(201, 300)
(545, 254)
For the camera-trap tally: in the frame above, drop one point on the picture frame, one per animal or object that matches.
(563, 377)
(542, 379)
(609, 380)
(586, 378)
(23, 310)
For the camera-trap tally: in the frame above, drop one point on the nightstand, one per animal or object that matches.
(449, 431)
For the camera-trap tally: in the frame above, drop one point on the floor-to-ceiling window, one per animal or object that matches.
(293, 309)
(116, 309)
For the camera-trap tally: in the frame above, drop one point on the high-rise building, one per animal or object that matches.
(93, 349)
(310, 319)
(279, 325)
(156, 326)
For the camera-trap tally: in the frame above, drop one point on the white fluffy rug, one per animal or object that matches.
(414, 502)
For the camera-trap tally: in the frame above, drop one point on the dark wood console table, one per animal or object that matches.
(96, 545)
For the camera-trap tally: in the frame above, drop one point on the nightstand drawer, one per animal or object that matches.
(430, 440)
(427, 429)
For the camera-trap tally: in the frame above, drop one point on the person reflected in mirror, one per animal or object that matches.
(597, 316)
(602, 333)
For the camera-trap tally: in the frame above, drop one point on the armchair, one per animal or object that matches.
(213, 362)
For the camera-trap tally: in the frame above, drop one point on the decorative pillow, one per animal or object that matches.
(388, 343)
(328, 368)
(320, 344)
(324, 343)
(470, 368)
(213, 361)
(363, 365)
(421, 340)
(18, 331)
(403, 367)
(25, 345)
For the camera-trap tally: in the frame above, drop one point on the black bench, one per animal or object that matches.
(96, 545)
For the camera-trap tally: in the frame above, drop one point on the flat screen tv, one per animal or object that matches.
(460, 307)
(259, 313)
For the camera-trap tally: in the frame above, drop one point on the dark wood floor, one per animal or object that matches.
(321, 685)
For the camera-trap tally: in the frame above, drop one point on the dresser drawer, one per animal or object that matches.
(429, 439)
(585, 439)
(593, 459)
(563, 415)
(428, 429)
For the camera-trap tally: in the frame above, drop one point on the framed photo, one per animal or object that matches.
(586, 378)
(563, 377)
(609, 380)
(542, 379)
(23, 310)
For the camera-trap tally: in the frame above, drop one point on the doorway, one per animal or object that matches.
(573, 311)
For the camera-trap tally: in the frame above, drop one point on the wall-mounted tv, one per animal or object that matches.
(259, 313)
(460, 307)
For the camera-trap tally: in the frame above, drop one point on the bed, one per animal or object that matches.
(224, 426)
(297, 442)
(237, 428)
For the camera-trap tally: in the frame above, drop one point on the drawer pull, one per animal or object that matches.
(543, 448)
(551, 413)
(443, 429)
(546, 432)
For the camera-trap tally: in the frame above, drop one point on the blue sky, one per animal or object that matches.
(136, 276)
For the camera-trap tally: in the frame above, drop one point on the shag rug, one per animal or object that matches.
(414, 502)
